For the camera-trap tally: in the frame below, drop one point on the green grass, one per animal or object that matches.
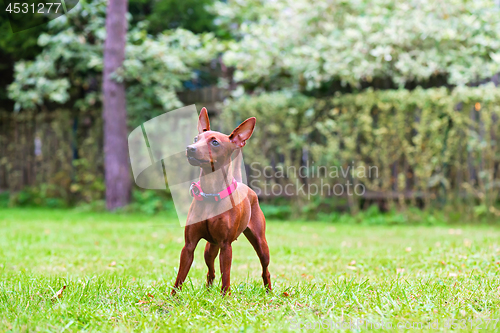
(119, 268)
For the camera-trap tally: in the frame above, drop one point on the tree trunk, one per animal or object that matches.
(116, 161)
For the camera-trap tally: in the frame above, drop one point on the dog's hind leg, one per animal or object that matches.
(225, 259)
(255, 233)
(211, 251)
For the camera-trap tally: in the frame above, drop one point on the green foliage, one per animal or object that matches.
(434, 143)
(4, 199)
(45, 195)
(69, 70)
(276, 212)
(305, 44)
(88, 183)
(411, 216)
(146, 202)
(284, 121)
(162, 15)
(191, 15)
(150, 202)
(437, 143)
(155, 68)
(13, 48)
(17, 46)
(321, 208)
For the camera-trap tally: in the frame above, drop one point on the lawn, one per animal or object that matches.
(118, 270)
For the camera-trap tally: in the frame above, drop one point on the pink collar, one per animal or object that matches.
(199, 195)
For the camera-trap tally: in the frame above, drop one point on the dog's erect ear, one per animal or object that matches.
(243, 132)
(203, 122)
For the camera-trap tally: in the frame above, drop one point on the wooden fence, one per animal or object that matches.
(62, 149)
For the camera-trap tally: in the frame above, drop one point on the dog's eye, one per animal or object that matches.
(195, 139)
(215, 143)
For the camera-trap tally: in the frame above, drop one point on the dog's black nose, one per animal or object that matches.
(190, 149)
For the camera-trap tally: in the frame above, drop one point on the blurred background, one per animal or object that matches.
(409, 87)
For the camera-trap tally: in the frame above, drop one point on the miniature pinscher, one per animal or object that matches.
(220, 190)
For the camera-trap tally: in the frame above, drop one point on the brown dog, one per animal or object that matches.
(218, 191)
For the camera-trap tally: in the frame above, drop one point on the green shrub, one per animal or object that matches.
(45, 195)
(4, 199)
(436, 145)
(273, 212)
(150, 201)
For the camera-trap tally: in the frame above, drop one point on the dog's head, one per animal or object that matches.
(213, 149)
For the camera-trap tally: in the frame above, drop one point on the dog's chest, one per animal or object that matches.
(212, 212)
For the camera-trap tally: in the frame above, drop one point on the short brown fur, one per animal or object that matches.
(222, 230)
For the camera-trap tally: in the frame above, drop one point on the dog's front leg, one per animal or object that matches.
(211, 252)
(187, 256)
(225, 258)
